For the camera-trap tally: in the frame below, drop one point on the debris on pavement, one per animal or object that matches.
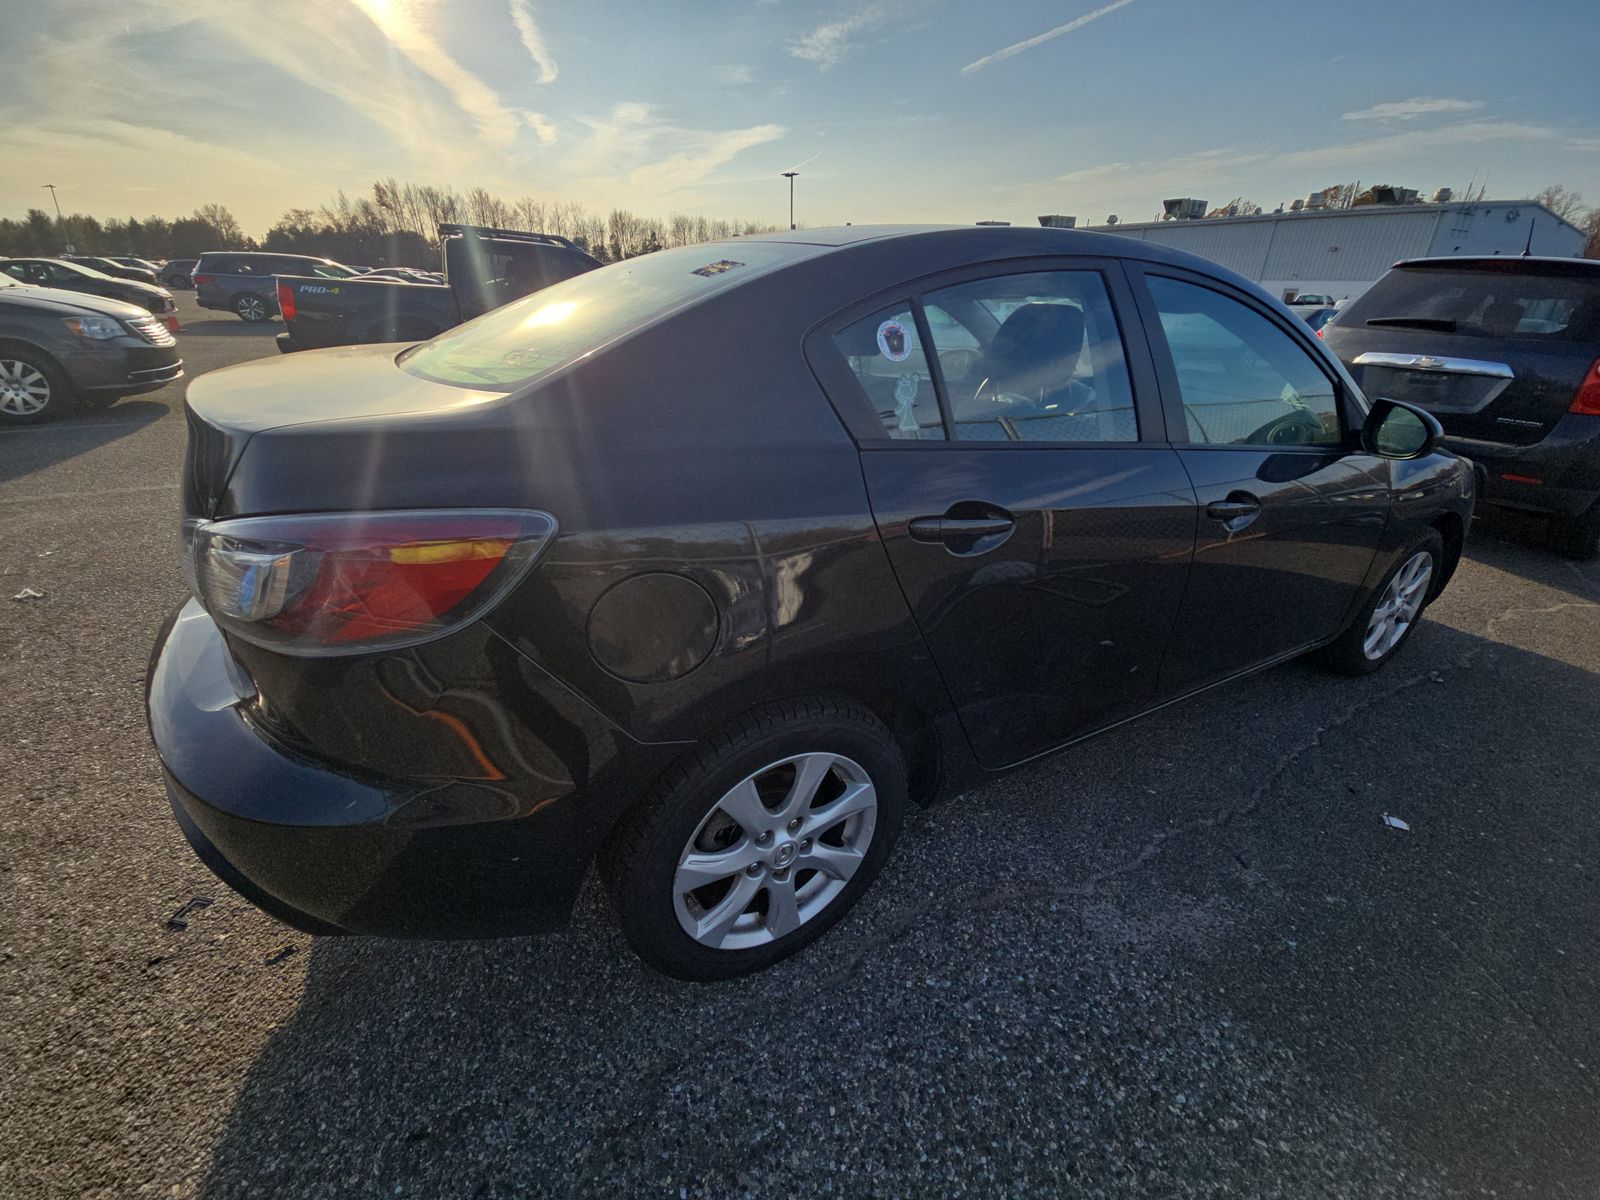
(1396, 823)
(179, 920)
(28, 593)
(277, 956)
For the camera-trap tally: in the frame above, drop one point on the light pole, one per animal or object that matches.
(789, 175)
(60, 220)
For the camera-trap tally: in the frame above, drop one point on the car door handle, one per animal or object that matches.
(1237, 511)
(951, 529)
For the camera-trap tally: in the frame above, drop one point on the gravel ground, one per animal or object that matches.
(1184, 960)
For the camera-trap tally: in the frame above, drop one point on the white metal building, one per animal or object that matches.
(1343, 252)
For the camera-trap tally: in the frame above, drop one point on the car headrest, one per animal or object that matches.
(1037, 347)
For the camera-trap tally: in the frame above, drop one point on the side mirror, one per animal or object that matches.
(1396, 430)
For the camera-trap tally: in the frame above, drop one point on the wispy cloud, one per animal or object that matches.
(734, 74)
(637, 150)
(497, 123)
(1047, 35)
(1411, 142)
(827, 44)
(1410, 110)
(533, 39)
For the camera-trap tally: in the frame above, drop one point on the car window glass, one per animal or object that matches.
(1034, 358)
(327, 271)
(1243, 380)
(16, 270)
(529, 338)
(885, 354)
(57, 273)
(1491, 303)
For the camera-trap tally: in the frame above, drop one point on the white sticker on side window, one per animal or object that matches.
(894, 343)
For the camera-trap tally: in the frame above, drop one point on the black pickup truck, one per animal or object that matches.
(484, 268)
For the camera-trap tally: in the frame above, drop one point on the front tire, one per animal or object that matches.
(32, 388)
(757, 842)
(1390, 615)
(250, 307)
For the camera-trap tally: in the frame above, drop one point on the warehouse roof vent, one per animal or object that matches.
(1184, 208)
(1057, 221)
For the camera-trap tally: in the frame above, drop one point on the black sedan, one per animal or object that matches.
(704, 565)
(115, 267)
(63, 349)
(1506, 353)
(76, 277)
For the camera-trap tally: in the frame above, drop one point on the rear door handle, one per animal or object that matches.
(952, 529)
(1237, 511)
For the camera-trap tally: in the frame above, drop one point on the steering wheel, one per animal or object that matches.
(1298, 428)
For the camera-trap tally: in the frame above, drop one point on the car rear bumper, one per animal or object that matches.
(286, 344)
(1559, 474)
(331, 851)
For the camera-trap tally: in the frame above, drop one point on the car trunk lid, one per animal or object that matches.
(1504, 392)
(328, 411)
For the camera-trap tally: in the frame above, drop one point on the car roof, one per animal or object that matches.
(1527, 264)
(997, 241)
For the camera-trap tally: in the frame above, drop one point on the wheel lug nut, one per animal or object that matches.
(764, 838)
(753, 869)
(794, 825)
(805, 845)
(781, 874)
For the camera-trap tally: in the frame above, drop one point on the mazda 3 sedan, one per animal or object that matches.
(699, 568)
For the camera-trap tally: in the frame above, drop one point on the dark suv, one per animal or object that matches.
(243, 281)
(1505, 352)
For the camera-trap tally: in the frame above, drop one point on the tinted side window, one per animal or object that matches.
(1033, 358)
(1243, 380)
(885, 354)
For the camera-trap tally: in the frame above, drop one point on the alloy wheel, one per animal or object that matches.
(251, 308)
(776, 850)
(24, 390)
(1401, 602)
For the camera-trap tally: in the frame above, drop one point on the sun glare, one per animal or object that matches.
(550, 314)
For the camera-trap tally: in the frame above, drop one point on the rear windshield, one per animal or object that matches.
(1491, 303)
(528, 338)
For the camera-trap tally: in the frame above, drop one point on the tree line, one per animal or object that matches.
(395, 225)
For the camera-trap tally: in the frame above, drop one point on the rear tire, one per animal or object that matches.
(1577, 537)
(250, 307)
(1391, 613)
(787, 816)
(33, 388)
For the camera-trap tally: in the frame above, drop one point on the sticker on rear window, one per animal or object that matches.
(721, 267)
(893, 341)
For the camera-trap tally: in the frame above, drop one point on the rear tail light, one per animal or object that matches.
(286, 301)
(347, 583)
(197, 280)
(1587, 401)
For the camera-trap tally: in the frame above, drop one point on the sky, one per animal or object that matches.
(891, 110)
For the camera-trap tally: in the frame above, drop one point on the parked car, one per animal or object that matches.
(241, 281)
(59, 349)
(706, 563)
(78, 277)
(484, 268)
(1505, 352)
(177, 273)
(113, 268)
(144, 264)
(1310, 300)
(1316, 319)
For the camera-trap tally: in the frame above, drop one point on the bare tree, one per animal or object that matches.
(1566, 204)
(1591, 226)
(224, 224)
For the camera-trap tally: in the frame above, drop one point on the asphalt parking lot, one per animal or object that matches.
(1187, 959)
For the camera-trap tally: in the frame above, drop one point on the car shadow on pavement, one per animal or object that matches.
(1184, 958)
(27, 449)
(1516, 543)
